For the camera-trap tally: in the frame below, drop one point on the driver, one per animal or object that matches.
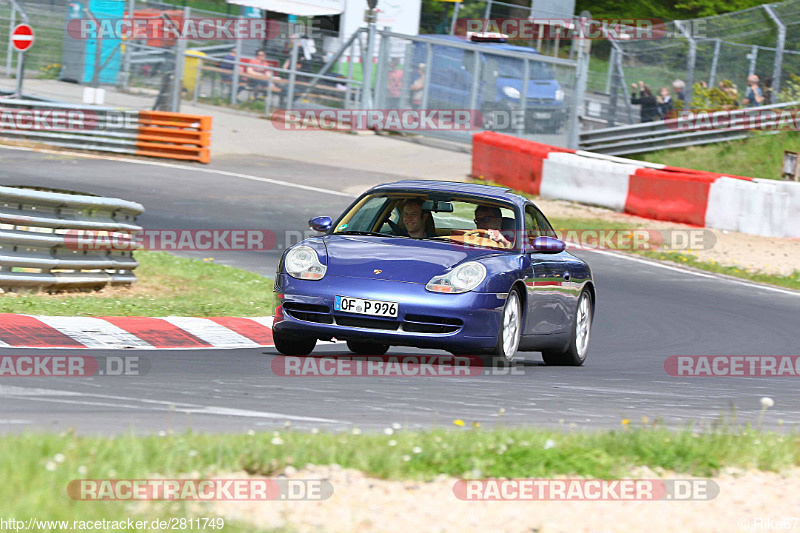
(418, 223)
(488, 222)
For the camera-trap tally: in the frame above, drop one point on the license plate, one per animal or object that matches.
(541, 115)
(365, 307)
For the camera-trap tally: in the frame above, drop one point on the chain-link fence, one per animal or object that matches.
(507, 88)
(726, 48)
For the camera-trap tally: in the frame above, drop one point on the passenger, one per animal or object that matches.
(488, 221)
(418, 223)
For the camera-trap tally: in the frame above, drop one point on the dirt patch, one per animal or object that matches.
(773, 255)
(364, 504)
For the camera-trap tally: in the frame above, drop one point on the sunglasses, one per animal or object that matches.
(487, 218)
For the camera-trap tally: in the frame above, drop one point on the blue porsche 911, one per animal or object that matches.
(471, 269)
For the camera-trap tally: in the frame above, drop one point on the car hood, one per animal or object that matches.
(397, 259)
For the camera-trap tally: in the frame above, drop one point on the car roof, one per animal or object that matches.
(458, 187)
(501, 46)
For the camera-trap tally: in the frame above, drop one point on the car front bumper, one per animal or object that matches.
(460, 322)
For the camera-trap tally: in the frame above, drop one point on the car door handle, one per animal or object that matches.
(566, 276)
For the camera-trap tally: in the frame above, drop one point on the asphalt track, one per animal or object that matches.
(646, 312)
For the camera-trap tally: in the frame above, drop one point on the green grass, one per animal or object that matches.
(168, 285)
(34, 462)
(790, 282)
(759, 156)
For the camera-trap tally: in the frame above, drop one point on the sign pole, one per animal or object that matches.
(20, 72)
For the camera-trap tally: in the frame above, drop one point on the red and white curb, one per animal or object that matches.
(143, 333)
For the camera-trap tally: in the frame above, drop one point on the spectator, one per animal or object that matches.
(754, 96)
(679, 86)
(228, 61)
(649, 111)
(666, 108)
(260, 72)
(395, 83)
(418, 87)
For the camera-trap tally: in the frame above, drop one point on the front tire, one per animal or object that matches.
(575, 353)
(509, 334)
(291, 345)
(367, 348)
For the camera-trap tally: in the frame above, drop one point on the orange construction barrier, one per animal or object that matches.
(174, 136)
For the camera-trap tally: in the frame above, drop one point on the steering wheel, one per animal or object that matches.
(395, 227)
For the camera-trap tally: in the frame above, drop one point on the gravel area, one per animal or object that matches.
(364, 504)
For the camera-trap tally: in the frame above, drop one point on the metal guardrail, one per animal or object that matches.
(672, 133)
(40, 240)
(106, 129)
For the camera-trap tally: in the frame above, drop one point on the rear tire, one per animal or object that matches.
(509, 335)
(575, 352)
(291, 345)
(367, 348)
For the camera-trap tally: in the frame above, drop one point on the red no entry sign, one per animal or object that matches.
(22, 37)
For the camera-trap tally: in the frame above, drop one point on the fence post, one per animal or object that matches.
(382, 71)
(126, 58)
(692, 59)
(237, 61)
(10, 53)
(611, 60)
(427, 74)
(776, 71)
(180, 51)
(488, 13)
(714, 62)
(753, 58)
(582, 72)
(292, 76)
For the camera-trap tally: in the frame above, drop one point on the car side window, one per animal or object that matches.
(544, 226)
(536, 225)
(531, 223)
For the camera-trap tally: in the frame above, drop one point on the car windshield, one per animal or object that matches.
(464, 220)
(508, 67)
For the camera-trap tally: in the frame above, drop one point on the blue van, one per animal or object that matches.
(500, 86)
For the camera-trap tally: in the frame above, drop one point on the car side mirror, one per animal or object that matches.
(321, 224)
(548, 245)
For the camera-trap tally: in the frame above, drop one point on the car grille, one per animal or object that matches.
(431, 324)
(309, 312)
(412, 323)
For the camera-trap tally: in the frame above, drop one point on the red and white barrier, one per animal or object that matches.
(706, 199)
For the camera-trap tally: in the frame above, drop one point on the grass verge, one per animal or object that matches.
(758, 156)
(45, 464)
(168, 286)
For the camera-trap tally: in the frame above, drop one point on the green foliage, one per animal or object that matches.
(706, 98)
(791, 89)
(707, 8)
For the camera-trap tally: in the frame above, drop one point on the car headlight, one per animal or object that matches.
(303, 263)
(559, 95)
(511, 92)
(463, 278)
